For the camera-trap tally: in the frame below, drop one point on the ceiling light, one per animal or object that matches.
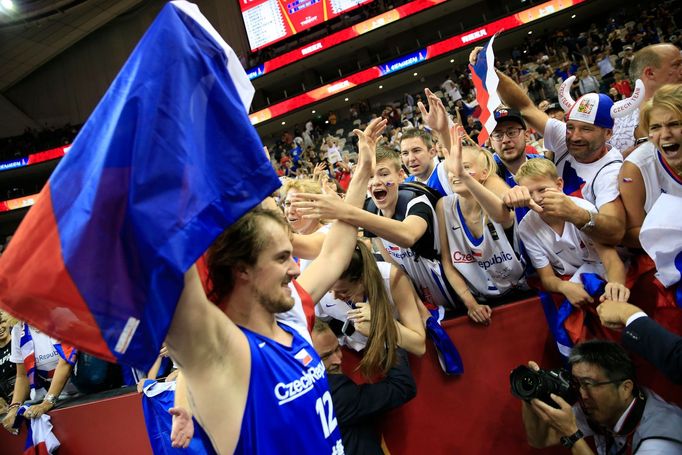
(380, 87)
(345, 99)
(530, 32)
(284, 123)
(415, 74)
(573, 17)
(7, 4)
(452, 60)
(313, 111)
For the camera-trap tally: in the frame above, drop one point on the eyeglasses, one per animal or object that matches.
(589, 384)
(511, 133)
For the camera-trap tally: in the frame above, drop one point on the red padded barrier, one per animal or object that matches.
(471, 414)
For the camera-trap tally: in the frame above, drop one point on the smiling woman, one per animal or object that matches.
(655, 167)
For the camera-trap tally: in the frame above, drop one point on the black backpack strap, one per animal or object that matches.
(601, 169)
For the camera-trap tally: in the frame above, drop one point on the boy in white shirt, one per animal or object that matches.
(557, 248)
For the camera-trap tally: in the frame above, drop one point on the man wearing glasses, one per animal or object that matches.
(508, 140)
(622, 417)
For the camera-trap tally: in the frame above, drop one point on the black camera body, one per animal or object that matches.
(527, 384)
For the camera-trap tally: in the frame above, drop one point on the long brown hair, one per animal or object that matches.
(380, 351)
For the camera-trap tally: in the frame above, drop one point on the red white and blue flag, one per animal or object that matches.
(40, 440)
(167, 161)
(485, 80)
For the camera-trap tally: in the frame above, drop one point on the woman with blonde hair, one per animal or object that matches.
(655, 167)
(476, 231)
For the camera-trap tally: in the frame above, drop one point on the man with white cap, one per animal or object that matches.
(588, 166)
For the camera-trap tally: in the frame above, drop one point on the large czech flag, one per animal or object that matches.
(167, 161)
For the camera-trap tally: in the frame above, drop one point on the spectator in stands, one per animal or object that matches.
(622, 85)
(333, 152)
(476, 232)
(586, 164)
(358, 406)
(374, 307)
(418, 154)
(654, 167)
(655, 65)
(626, 60)
(452, 89)
(557, 248)
(509, 140)
(44, 383)
(620, 415)
(587, 83)
(645, 336)
(7, 369)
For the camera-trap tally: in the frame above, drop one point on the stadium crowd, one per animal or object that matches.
(574, 194)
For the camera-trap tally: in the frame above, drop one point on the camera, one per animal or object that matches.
(527, 384)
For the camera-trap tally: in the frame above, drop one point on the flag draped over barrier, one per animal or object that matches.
(167, 160)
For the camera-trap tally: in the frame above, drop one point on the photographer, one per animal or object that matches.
(619, 415)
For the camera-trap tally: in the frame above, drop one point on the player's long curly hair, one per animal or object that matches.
(380, 352)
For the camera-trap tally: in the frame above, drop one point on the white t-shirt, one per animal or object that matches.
(333, 154)
(661, 237)
(566, 252)
(45, 354)
(596, 182)
(658, 177)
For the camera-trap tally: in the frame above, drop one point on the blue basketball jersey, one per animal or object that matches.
(289, 408)
(437, 180)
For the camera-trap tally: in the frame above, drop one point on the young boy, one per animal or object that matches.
(558, 248)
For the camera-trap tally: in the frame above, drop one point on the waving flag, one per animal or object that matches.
(485, 80)
(167, 160)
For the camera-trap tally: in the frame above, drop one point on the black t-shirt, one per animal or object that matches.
(8, 372)
(424, 247)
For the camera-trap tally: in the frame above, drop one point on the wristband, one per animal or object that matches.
(569, 441)
(51, 398)
(16, 404)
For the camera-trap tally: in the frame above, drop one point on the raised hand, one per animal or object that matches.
(437, 117)
(453, 153)
(367, 142)
(326, 206)
(474, 54)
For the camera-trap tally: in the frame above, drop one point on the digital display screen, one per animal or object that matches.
(269, 21)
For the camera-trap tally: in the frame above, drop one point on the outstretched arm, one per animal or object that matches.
(339, 243)
(489, 201)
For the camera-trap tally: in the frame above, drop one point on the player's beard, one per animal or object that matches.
(278, 303)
